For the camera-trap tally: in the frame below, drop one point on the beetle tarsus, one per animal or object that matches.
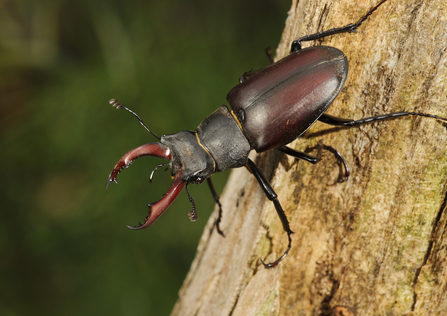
(219, 219)
(275, 263)
(363, 18)
(340, 160)
(428, 115)
(192, 213)
(216, 199)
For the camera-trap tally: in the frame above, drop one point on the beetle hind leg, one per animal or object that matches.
(338, 121)
(272, 196)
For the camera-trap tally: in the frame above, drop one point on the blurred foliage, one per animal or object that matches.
(65, 249)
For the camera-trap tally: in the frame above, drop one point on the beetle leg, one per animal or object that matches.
(341, 160)
(296, 45)
(155, 169)
(192, 213)
(216, 198)
(272, 196)
(314, 160)
(301, 155)
(338, 121)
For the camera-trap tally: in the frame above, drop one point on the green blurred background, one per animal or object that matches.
(64, 246)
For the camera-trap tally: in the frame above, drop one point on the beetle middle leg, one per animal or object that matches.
(313, 160)
(216, 199)
(272, 196)
(296, 45)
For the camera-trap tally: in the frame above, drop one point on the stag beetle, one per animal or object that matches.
(269, 108)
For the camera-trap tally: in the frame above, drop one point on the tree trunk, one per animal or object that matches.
(375, 244)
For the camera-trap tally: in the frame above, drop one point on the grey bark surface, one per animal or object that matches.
(376, 243)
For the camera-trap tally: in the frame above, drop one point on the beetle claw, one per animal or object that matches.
(110, 180)
(138, 227)
(151, 149)
(158, 208)
(120, 165)
(155, 209)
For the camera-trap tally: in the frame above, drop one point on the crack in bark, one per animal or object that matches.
(323, 14)
(234, 305)
(269, 239)
(409, 26)
(429, 249)
(325, 304)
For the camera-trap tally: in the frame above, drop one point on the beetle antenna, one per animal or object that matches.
(119, 105)
(155, 169)
(192, 213)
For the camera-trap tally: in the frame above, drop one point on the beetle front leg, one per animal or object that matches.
(272, 196)
(192, 213)
(216, 198)
(296, 45)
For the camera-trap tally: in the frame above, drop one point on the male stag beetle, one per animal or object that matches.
(269, 108)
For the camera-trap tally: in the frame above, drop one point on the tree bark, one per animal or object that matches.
(375, 244)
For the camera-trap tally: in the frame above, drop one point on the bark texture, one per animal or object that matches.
(376, 244)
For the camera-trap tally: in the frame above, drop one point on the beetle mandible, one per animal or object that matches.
(269, 108)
